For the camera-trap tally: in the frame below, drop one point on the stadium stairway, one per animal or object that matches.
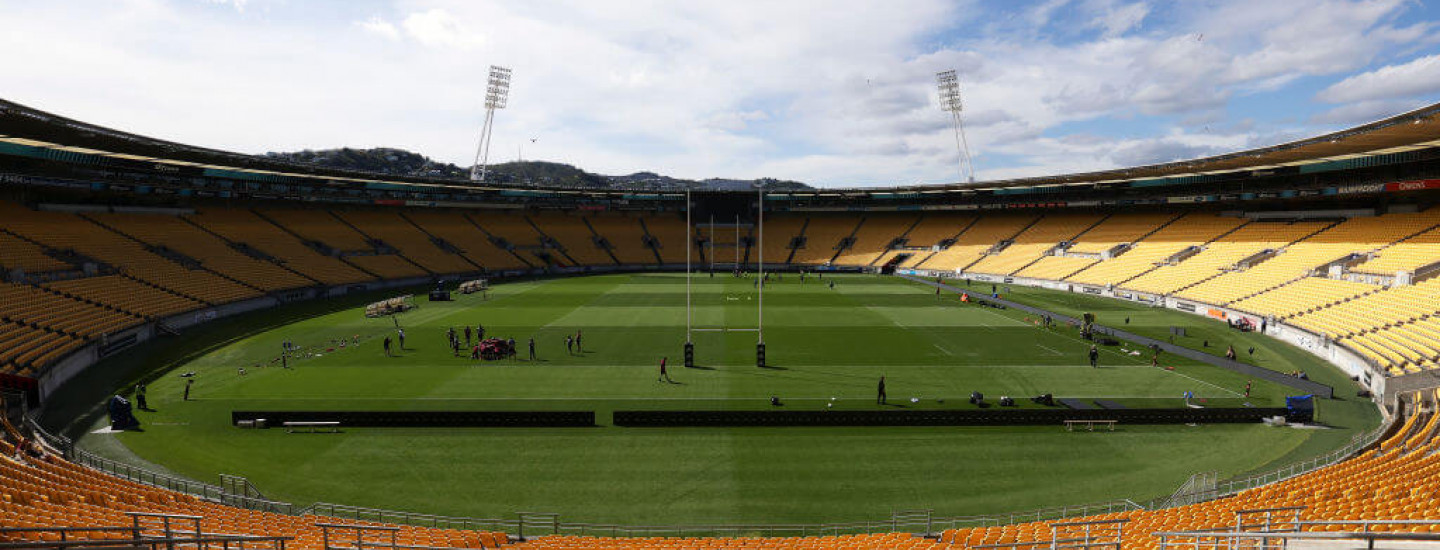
(197, 263)
(441, 243)
(652, 240)
(1195, 231)
(929, 230)
(493, 227)
(1011, 238)
(886, 253)
(1071, 239)
(601, 241)
(561, 247)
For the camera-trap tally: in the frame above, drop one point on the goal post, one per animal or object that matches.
(759, 243)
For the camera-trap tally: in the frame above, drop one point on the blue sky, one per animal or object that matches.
(834, 93)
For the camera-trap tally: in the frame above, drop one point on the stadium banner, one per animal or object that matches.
(1189, 199)
(1413, 185)
(454, 204)
(950, 207)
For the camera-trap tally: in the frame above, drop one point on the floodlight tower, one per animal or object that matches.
(497, 92)
(949, 86)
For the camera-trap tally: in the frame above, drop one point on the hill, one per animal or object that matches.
(400, 162)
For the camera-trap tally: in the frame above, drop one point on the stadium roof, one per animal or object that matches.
(1411, 131)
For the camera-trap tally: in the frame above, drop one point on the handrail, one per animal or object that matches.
(1234, 486)
(213, 493)
(926, 525)
(153, 542)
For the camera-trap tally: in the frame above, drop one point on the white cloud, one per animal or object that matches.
(1117, 19)
(1420, 76)
(239, 5)
(437, 27)
(380, 27)
(830, 92)
(1362, 112)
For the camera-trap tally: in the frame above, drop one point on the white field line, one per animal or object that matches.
(1049, 349)
(1216, 386)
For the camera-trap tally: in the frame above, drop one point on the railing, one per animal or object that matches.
(357, 513)
(1273, 540)
(912, 523)
(1234, 486)
(144, 476)
(199, 489)
(65, 538)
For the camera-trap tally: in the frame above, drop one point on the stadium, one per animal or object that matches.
(202, 348)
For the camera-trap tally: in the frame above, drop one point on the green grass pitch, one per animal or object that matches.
(823, 343)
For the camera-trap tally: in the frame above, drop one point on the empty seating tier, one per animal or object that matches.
(246, 229)
(874, 238)
(1034, 242)
(16, 253)
(626, 237)
(1192, 230)
(461, 233)
(975, 241)
(413, 243)
(211, 251)
(575, 236)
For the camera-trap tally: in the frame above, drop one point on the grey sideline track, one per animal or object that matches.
(1252, 371)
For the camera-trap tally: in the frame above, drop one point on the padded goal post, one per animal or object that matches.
(710, 244)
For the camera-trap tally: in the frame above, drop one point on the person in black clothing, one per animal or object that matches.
(387, 346)
(880, 394)
(190, 382)
(467, 335)
(569, 344)
(140, 397)
(1094, 357)
(510, 344)
(532, 348)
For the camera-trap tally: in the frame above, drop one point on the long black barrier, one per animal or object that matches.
(962, 417)
(1307, 386)
(425, 419)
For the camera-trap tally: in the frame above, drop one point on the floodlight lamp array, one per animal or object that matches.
(949, 85)
(497, 92)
